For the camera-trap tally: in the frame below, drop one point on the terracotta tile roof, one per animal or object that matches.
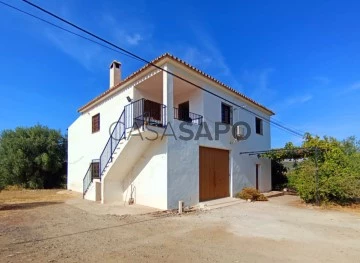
(158, 59)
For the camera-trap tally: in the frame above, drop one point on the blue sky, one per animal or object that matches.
(299, 58)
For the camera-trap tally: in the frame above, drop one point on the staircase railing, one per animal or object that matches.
(117, 134)
(91, 173)
(142, 112)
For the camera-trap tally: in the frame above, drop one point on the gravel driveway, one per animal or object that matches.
(273, 231)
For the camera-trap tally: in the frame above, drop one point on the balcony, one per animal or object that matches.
(187, 116)
(147, 112)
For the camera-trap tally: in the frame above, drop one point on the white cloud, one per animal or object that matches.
(354, 86)
(349, 89)
(125, 32)
(258, 84)
(298, 100)
(292, 101)
(134, 39)
(91, 55)
(85, 53)
(195, 57)
(263, 79)
(205, 55)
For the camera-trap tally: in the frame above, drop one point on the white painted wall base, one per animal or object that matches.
(94, 191)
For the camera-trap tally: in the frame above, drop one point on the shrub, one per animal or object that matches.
(338, 172)
(32, 157)
(252, 194)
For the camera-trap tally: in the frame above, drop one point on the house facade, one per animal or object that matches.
(154, 139)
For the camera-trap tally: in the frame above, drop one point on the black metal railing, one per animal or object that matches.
(184, 115)
(137, 114)
(152, 113)
(91, 173)
(117, 134)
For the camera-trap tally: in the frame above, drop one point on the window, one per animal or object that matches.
(95, 123)
(259, 125)
(226, 114)
(95, 169)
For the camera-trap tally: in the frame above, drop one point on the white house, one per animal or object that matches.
(118, 151)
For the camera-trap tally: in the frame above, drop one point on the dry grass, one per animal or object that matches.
(15, 196)
(250, 193)
(352, 208)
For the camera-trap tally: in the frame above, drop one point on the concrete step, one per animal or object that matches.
(219, 203)
(273, 194)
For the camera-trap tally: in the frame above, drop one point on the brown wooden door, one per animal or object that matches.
(213, 174)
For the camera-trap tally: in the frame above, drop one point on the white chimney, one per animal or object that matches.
(115, 73)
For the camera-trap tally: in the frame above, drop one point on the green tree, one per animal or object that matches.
(338, 170)
(33, 157)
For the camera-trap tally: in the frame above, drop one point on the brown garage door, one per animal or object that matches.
(214, 173)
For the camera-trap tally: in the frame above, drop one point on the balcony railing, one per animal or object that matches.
(150, 113)
(184, 115)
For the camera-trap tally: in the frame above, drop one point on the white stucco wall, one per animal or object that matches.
(243, 167)
(83, 145)
(183, 156)
(148, 178)
(94, 191)
(183, 168)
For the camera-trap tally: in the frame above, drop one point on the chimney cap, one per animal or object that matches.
(115, 63)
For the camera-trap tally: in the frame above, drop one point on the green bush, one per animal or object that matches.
(32, 157)
(251, 193)
(338, 171)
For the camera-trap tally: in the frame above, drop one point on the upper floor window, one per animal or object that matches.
(258, 125)
(226, 114)
(95, 127)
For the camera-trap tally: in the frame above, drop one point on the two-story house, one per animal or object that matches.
(154, 139)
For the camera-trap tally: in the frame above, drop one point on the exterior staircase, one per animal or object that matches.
(124, 141)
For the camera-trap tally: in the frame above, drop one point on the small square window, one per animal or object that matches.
(95, 123)
(258, 125)
(226, 114)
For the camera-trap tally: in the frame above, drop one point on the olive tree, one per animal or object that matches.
(33, 157)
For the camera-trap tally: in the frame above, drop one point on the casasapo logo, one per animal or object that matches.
(187, 131)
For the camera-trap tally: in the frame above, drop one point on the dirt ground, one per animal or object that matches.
(46, 226)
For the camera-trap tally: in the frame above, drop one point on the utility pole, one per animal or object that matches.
(316, 177)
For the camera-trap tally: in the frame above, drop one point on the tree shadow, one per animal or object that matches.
(23, 206)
